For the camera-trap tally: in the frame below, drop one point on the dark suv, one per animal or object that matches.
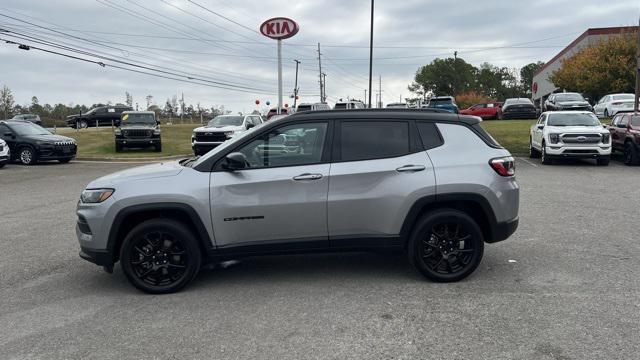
(102, 116)
(567, 101)
(138, 129)
(625, 136)
(30, 143)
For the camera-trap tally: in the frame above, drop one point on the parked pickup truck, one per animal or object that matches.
(625, 136)
(100, 116)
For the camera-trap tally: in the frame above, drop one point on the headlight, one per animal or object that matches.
(95, 196)
(554, 138)
(606, 137)
(156, 132)
(118, 132)
(230, 133)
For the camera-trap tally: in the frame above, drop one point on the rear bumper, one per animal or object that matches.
(503, 230)
(519, 115)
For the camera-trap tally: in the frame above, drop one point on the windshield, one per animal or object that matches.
(576, 119)
(25, 129)
(440, 101)
(569, 97)
(623, 97)
(226, 120)
(148, 119)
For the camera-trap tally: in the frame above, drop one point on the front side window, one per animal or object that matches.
(292, 145)
(624, 121)
(616, 120)
(360, 140)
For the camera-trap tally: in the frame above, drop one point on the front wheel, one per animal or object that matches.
(630, 154)
(446, 245)
(546, 160)
(606, 113)
(82, 124)
(603, 160)
(533, 153)
(158, 147)
(160, 256)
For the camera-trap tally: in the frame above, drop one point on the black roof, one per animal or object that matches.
(387, 114)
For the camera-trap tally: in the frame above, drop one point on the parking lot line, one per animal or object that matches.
(527, 161)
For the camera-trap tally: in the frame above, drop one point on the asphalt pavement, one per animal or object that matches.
(565, 286)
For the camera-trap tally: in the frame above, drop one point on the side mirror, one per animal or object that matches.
(157, 122)
(235, 161)
(540, 126)
(250, 125)
(622, 126)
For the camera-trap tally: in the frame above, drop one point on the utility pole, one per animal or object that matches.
(323, 93)
(182, 109)
(320, 73)
(365, 98)
(380, 91)
(295, 87)
(635, 110)
(371, 53)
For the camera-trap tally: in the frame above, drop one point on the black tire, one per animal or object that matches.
(154, 247)
(64, 161)
(630, 154)
(118, 147)
(533, 153)
(27, 156)
(158, 147)
(546, 160)
(606, 114)
(434, 243)
(603, 160)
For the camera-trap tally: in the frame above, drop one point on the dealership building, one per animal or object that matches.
(542, 86)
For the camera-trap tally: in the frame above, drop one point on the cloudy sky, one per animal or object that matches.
(183, 39)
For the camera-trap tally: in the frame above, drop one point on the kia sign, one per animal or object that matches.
(279, 28)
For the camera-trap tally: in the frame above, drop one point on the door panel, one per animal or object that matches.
(260, 205)
(372, 197)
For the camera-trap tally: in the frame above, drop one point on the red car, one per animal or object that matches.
(491, 110)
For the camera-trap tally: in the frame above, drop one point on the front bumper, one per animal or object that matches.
(52, 153)
(579, 152)
(138, 142)
(203, 147)
(4, 159)
(98, 257)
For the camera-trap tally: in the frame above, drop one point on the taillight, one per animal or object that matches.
(504, 166)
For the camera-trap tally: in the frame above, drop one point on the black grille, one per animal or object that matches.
(581, 138)
(65, 147)
(580, 151)
(211, 137)
(83, 225)
(137, 133)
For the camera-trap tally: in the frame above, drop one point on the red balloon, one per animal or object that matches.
(297, 97)
(286, 105)
(257, 102)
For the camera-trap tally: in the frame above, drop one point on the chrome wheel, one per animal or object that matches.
(82, 124)
(26, 156)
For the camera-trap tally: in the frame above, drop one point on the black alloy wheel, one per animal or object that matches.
(630, 154)
(447, 245)
(160, 256)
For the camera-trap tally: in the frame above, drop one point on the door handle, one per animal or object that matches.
(307, 176)
(411, 168)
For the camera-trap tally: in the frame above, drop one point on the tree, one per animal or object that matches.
(526, 75)
(35, 107)
(471, 98)
(6, 101)
(129, 99)
(444, 77)
(606, 67)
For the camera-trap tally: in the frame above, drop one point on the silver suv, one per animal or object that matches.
(433, 184)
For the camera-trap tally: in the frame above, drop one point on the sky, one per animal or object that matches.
(218, 42)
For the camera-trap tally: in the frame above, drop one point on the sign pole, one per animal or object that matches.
(637, 94)
(279, 76)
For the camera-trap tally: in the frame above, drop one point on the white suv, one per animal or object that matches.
(569, 134)
(4, 153)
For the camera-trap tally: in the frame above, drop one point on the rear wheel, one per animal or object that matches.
(160, 256)
(630, 154)
(606, 113)
(118, 147)
(27, 156)
(446, 245)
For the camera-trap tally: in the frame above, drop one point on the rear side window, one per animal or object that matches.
(429, 135)
(360, 140)
(625, 120)
(485, 136)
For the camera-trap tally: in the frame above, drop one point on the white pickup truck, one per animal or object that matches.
(569, 134)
